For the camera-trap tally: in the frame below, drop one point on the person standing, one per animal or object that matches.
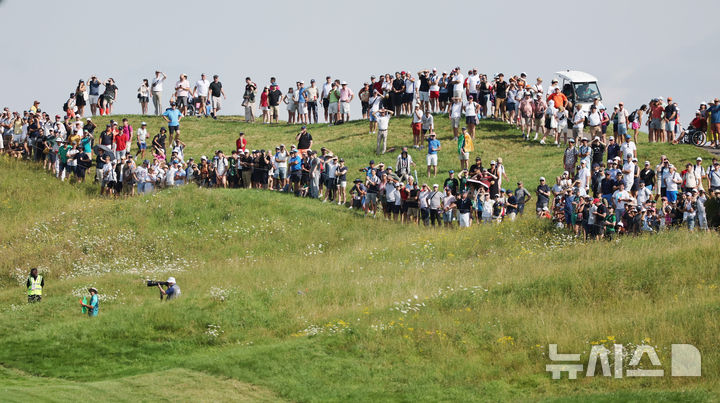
(172, 116)
(216, 91)
(669, 119)
(200, 93)
(312, 98)
(182, 91)
(432, 154)
(346, 96)
(93, 306)
(249, 100)
(274, 97)
(156, 88)
(172, 292)
(304, 140)
(108, 97)
(383, 121)
(144, 96)
(35, 284)
(94, 94)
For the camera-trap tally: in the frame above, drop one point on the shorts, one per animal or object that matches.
(216, 103)
(464, 219)
(372, 117)
(333, 108)
(432, 160)
(292, 107)
(174, 129)
(181, 101)
(539, 206)
(93, 99)
(143, 99)
(448, 216)
(670, 126)
(464, 156)
(444, 96)
(50, 157)
(457, 91)
(280, 173)
(274, 110)
(528, 120)
(326, 102)
(371, 198)
(295, 177)
(345, 107)
(110, 184)
(455, 122)
(396, 208)
(424, 96)
(434, 94)
(342, 184)
(716, 128)
(388, 206)
(511, 107)
(263, 108)
(301, 107)
(471, 120)
(142, 146)
(622, 129)
(416, 127)
(408, 97)
(635, 125)
(671, 196)
(655, 124)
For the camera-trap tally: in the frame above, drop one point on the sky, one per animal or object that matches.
(637, 49)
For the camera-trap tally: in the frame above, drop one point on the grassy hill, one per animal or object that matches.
(287, 298)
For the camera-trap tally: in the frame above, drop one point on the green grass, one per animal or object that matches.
(315, 305)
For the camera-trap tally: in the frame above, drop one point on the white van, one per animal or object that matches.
(579, 87)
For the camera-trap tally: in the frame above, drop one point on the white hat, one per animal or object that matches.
(698, 159)
(171, 280)
(343, 83)
(203, 157)
(143, 124)
(542, 178)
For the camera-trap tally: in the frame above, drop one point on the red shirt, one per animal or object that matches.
(121, 140)
(657, 111)
(240, 144)
(264, 99)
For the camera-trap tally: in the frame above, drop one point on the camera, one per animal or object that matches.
(151, 283)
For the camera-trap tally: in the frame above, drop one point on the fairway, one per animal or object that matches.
(287, 298)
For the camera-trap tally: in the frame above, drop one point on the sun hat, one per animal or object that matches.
(171, 280)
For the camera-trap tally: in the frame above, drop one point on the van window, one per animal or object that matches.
(586, 92)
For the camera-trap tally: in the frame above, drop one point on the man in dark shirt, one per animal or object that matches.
(670, 115)
(304, 140)
(476, 167)
(500, 96)
(607, 187)
(398, 89)
(598, 151)
(106, 137)
(274, 101)
(452, 183)
(511, 205)
(543, 194)
(215, 92)
(647, 175)
(613, 149)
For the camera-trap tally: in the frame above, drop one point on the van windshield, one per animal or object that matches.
(586, 92)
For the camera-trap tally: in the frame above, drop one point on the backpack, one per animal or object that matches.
(65, 107)
(632, 116)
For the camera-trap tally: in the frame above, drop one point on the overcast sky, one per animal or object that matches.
(637, 49)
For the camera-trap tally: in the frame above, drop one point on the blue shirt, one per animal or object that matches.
(172, 291)
(715, 111)
(301, 95)
(86, 141)
(95, 305)
(174, 116)
(295, 163)
(433, 144)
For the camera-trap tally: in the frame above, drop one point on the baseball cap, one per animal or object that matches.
(698, 159)
(542, 178)
(451, 171)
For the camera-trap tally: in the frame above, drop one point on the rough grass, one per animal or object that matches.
(315, 303)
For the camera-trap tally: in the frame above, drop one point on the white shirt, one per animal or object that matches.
(670, 184)
(620, 194)
(383, 121)
(180, 85)
(142, 174)
(170, 176)
(433, 79)
(374, 104)
(326, 89)
(628, 178)
(281, 159)
(627, 148)
(409, 86)
(203, 86)
(158, 81)
(141, 135)
(594, 119)
(417, 116)
(622, 116)
(470, 109)
(422, 198)
(579, 119)
(472, 83)
(643, 195)
(584, 177)
(456, 110)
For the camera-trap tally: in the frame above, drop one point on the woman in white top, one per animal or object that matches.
(289, 100)
(144, 96)
(551, 123)
(471, 111)
(562, 123)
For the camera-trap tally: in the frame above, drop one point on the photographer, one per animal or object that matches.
(172, 292)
